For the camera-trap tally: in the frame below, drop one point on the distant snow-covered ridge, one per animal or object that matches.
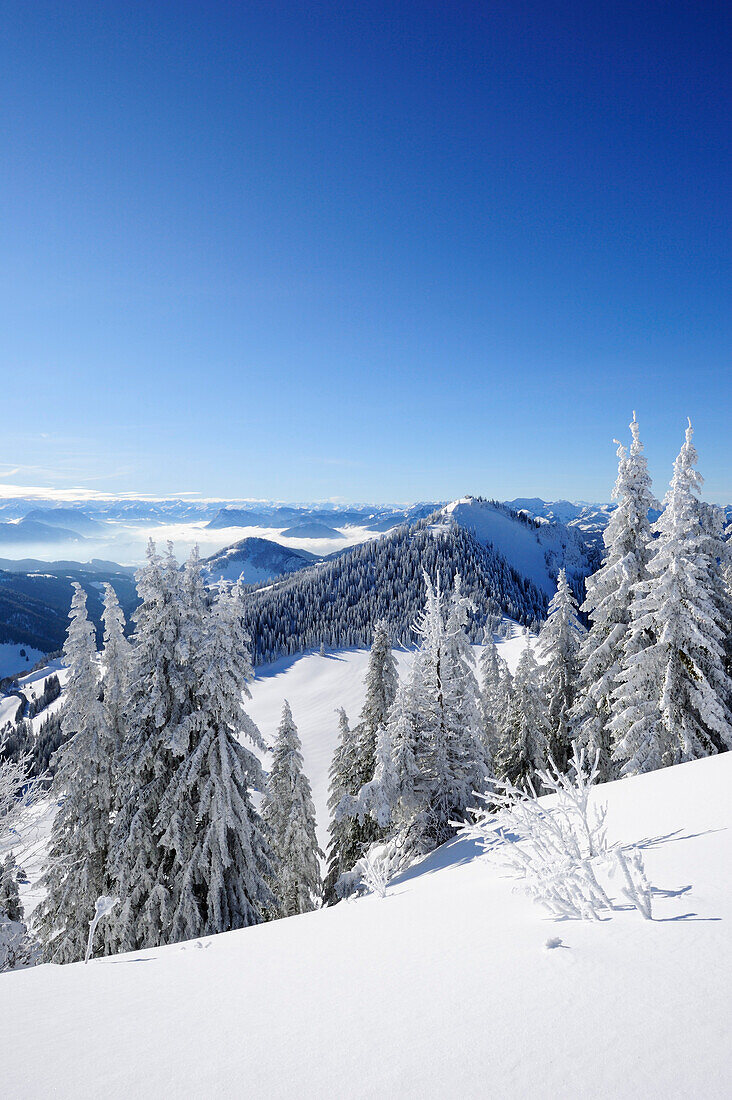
(254, 560)
(508, 566)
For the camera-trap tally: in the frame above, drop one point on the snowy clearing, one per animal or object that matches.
(315, 687)
(17, 658)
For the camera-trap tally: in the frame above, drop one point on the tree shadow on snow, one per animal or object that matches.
(108, 960)
(453, 853)
(282, 664)
(670, 893)
(684, 917)
(669, 838)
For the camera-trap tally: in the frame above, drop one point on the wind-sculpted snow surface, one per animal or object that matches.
(444, 987)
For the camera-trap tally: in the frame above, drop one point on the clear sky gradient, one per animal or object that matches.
(364, 250)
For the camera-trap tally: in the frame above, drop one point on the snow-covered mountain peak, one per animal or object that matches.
(537, 550)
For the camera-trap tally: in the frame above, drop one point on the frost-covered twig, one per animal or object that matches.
(103, 906)
(374, 867)
(558, 844)
(373, 871)
(637, 889)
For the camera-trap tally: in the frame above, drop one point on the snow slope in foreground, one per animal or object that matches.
(444, 988)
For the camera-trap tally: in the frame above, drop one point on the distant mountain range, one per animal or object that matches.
(523, 543)
(282, 517)
(28, 531)
(71, 519)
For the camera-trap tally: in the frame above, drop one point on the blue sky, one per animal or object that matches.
(372, 251)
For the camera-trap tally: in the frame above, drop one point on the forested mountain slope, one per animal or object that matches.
(338, 601)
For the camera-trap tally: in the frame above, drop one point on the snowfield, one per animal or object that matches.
(15, 657)
(315, 687)
(446, 987)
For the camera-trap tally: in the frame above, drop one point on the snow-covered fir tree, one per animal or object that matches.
(345, 846)
(10, 904)
(469, 709)
(354, 764)
(116, 656)
(431, 753)
(719, 552)
(77, 872)
(17, 949)
(495, 694)
(627, 539)
(559, 643)
(673, 697)
(18, 825)
(381, 685)
(524, 751)
(159, 699)
(397, 796)
(189, 854)
(449, 746)
(218, 859)
(288, 813)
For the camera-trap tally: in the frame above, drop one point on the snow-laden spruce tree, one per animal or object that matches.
(397, 797)
(449, 746)
(495, 695)
(432, 751)
(524, 752)
(381, 685)
(18, 796)
(288, 813)
(354, 765)
(76, 871)
(627, 539)
(469, 702)
(189, 855)
(345, 845)
(673, 694)
(116, 656)
(559, 643)
(16, 946)
(159, 700)
(217, 858)
(719, 551)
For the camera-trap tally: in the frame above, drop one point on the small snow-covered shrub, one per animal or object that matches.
(372, 872)
(374, 868)
(103, 906)
(557, 844)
